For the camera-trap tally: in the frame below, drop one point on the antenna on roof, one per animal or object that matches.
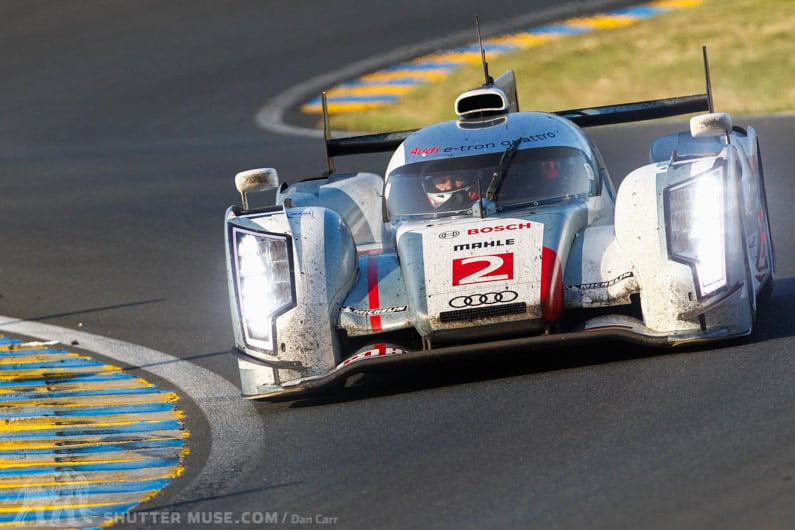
(489, 79)
(327, 131)
(709, 82)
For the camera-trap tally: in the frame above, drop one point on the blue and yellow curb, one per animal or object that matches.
(387, 86)
(81, 442)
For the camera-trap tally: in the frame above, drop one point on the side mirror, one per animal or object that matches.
(712, 124)
(255, 180)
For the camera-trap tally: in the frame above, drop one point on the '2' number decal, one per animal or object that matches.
(480, 269)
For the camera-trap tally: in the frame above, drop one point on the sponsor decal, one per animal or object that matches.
(378, 350)
(483, 244)
(300, 212)
(488, 256)
(498, 228)
(481, 269)
(450, 234)
(423, 152)
(475, 147)
(374, 311)
(475, 300)
(600, 285)
(532, 138)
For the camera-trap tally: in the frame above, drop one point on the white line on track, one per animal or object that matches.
(235, 426)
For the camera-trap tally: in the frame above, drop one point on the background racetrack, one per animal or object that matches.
(121, 126)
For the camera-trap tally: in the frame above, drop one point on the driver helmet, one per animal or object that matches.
(441, 187)
(550, 169)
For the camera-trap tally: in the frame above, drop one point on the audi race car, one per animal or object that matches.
(500, 229)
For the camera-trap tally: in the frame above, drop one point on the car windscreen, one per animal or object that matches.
(451, 185)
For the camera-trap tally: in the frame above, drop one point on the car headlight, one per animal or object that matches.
(696, 213)
(264, 281)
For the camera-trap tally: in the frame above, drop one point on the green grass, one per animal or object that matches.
(751, 50)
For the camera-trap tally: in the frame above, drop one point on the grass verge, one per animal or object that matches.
(750, 45)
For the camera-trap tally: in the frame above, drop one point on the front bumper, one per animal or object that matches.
(302, 387)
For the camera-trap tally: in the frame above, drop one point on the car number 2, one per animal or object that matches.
(480, 269)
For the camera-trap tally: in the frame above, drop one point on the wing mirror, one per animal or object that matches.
(712, 124)
(255, 180)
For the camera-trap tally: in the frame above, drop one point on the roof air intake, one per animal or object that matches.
(485, 101)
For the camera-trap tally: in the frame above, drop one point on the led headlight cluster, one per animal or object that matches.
(696, 214)
(264, 283)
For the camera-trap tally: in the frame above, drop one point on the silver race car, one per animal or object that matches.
(498, 230)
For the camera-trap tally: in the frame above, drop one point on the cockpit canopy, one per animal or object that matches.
(448, 186)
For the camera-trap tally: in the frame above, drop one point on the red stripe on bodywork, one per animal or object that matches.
(372, 291)
(551, 285)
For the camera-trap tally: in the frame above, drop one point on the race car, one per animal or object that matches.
(501, 229)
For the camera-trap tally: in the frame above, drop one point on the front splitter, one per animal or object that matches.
(505, 347)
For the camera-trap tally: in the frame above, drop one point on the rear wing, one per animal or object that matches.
(639, 111)
(587, 117)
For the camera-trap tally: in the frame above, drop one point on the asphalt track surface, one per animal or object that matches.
(121, 126)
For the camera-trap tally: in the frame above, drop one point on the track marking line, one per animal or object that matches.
(219, 400)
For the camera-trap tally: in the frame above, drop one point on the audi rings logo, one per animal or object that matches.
(475, 300)
(450, 234)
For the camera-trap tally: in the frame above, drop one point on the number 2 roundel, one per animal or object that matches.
(481, 269)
